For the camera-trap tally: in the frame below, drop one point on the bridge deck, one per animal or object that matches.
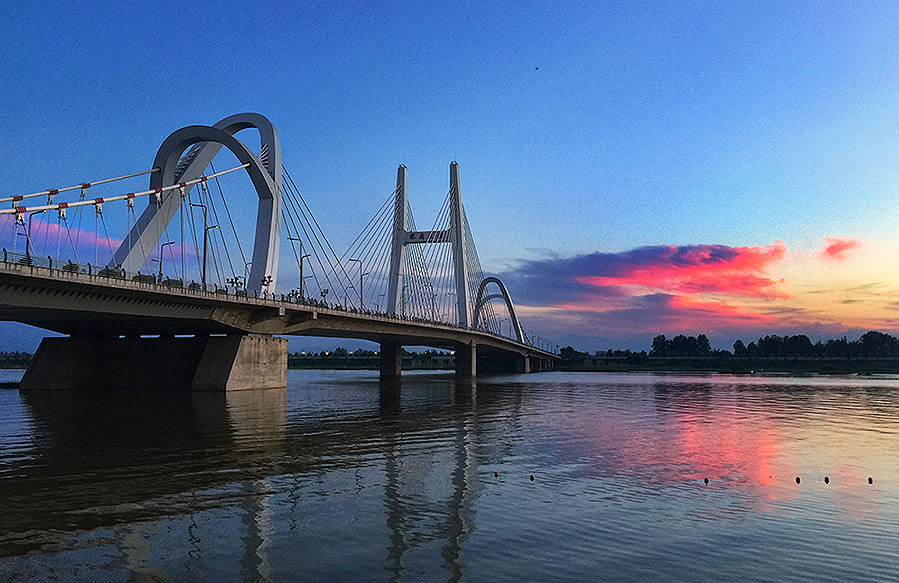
(81, 304)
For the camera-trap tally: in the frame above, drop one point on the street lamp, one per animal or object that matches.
(28, 233)
(206, 230)
(302, 257)
(161, 249)
(361, 275)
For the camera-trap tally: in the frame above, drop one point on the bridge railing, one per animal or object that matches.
(118, 274)
(113, 273)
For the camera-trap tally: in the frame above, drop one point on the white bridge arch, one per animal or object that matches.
(173, 166)
(482, 300)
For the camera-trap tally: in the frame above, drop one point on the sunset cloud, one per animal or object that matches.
(688, 269)
(714, 289)
(838, 248)
(651, 314)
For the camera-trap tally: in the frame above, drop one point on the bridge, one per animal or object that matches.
(175, 302)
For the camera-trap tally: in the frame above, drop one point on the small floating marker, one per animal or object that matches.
(826, 480)
(797, 479)
(532, 477)
(706, 480)
(870, 480)
(495, 474)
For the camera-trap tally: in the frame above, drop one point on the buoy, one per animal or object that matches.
(870, 480)
(826, 480)
(797, 479)
(495, 474)
(706, 480)
(532, 477)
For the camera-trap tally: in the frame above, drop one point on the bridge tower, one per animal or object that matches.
(454, 235)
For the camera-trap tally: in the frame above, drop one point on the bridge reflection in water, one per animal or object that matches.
(144, 474)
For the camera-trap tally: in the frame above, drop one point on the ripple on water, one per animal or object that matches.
(342, 477)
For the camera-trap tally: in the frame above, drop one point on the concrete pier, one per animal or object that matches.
(199, 363)
(391, 360)
(467, 360)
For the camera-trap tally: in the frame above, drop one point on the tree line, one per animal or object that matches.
(872, 344)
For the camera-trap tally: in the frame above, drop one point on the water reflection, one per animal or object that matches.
(343, 476)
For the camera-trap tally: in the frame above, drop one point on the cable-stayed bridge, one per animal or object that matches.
(179, 299)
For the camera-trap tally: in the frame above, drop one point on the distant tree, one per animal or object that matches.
(659, 346)
(752, 350)
(703, 344)
(681, 346)
(739, 348)
(878, 344)
(799, 345)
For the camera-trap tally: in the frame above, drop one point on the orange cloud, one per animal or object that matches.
(838, 248)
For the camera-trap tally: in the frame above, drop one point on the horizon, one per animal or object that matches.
(627, 172)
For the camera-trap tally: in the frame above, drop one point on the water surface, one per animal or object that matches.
(342, 477)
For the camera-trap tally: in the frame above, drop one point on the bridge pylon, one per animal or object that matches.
(404, 235)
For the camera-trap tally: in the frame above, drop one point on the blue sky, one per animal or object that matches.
(580, 128)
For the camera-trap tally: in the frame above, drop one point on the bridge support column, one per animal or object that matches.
(201, 363)
(523, 364)
(391, 360)
(467, 360)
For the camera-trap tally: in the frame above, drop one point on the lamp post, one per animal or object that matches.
(302, 257)
(161, 249)
(361, 275)
(206, 230)
(28, 233)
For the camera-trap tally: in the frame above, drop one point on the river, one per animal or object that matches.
(552, 476)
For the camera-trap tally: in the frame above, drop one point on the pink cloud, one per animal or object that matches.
(697, 269)
(838, 248)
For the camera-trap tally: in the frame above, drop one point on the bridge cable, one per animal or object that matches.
(83, 186)
(291, 206)
(220, 232)
(435, 251)
(289, 213)
(315, 228)
(374, 252)
(292, 247)
(315, 231)
(299, 195)
(216, 252)
(285, 217)
(191, 222)
(230, 219)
